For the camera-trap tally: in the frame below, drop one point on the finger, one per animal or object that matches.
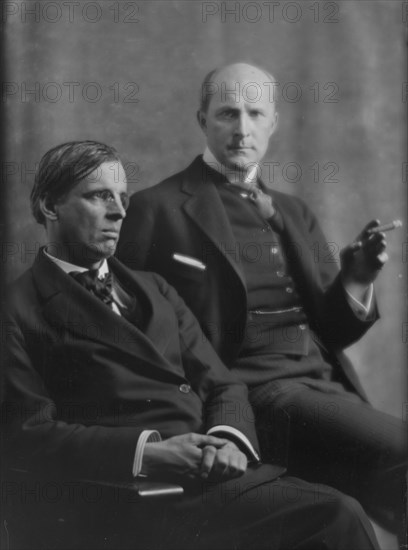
(207, 462)
(351, 248)
(220, 466)
(231, 465)
(365, 233)
(382, 258)
(347, 253)
(201, 440)
(376, 244)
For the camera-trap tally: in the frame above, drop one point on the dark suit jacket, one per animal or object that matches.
(184, 214)
(82, 382)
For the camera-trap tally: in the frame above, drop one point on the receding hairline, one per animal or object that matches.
(214, 73)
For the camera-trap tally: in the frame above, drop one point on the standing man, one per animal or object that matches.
(108, 377)
(240, 255)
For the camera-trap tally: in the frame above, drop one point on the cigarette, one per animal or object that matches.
(386, 227)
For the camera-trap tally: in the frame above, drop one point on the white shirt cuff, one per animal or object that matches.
(361, 310)
(237, 434)
(147, 436)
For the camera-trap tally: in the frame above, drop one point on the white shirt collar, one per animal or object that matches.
(233, 176)
(67, 267)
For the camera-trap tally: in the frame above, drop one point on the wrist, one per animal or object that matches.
(357, 289)
(151, 453)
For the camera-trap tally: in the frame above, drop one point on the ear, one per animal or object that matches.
(274, 124)
(48, 209)
(202, 121)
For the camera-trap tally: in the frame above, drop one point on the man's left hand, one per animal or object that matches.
(224, 463)
(362, 260)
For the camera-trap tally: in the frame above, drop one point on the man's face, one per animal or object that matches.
(89, 217)
(238, 125)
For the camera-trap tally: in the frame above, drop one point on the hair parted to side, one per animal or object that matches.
(63, 167)
(206, 92)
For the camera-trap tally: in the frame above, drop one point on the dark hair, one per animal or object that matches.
(63, 167)
(205, 95)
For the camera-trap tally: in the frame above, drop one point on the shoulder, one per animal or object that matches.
(147, 279)
(290, 201)
(165, 189)
(21, 296)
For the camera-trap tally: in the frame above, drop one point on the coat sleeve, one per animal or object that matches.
(335, 320)
(224, 396)
(35, 437)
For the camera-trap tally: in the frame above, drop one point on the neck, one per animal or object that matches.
(237, 175)
(75, 257)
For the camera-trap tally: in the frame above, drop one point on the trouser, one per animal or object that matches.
(283, 514)
(338, 439)
(254, 512)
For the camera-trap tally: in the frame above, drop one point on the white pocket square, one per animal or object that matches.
(188, 260)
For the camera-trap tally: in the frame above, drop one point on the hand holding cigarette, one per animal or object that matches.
(362, 260)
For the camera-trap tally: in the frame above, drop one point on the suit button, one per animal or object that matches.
(302, 327)
(289, 289)
(185, 388)
(280, 273)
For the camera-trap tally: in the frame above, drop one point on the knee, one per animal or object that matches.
(349, 507)
(343, 509)
(350, 526)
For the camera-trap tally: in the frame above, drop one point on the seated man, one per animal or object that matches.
(82, 330)
(255, 269)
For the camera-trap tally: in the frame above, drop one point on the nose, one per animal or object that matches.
(243, 126)
(115, 210)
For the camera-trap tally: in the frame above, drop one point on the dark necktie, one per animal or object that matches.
(244, 191)
(276, 221)
(101, 288)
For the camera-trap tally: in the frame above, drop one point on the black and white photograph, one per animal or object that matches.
(203, 275)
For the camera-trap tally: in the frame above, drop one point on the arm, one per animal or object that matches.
(339, 320)
(362, 261)
(37, 435)
(225, 397)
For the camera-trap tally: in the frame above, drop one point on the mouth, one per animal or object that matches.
(111, 234)
(239, 148)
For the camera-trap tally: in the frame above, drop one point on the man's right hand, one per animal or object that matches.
(181, 454)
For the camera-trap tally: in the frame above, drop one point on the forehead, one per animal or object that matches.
(242, 85)
(109, 175)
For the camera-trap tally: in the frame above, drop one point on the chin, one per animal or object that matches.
(240, 160)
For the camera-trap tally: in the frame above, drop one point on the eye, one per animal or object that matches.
(105, 195)
(124, 197)
(102, 195)
(227, 114)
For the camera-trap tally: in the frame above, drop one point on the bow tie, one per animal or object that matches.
(101, 288)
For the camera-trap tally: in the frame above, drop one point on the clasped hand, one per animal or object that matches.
(195, 455)
(362, 260)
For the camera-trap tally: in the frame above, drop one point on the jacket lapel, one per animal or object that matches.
(68, 306)
(205, 208)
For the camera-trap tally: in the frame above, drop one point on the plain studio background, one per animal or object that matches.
(129, 73)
